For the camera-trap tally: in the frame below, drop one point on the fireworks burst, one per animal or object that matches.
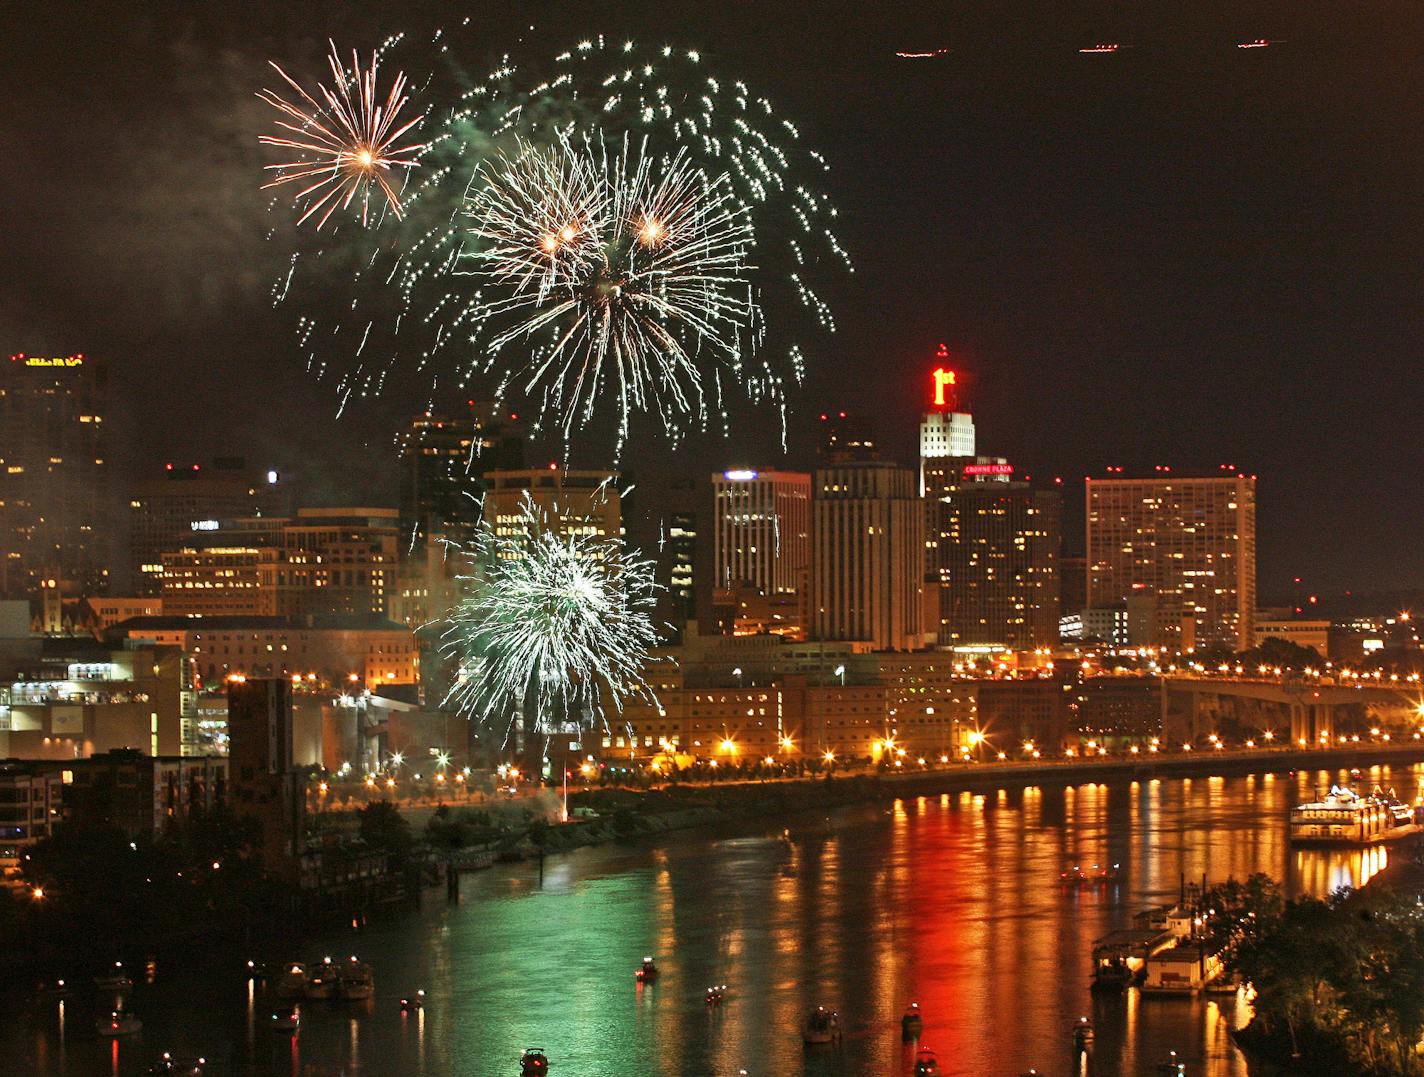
(347, 142)
(426, 307)
(553, 617)
(609, 269)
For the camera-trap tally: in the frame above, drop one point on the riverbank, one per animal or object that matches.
(610, 814)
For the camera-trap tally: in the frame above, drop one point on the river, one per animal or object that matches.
(953, 901)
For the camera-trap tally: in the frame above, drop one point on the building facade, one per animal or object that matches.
(993, 550)
(323, 561)
(167, 510)
(54, 476)
(569, 502)
(761, 530)
(867, 567)
(444, 458)
(1188, 543)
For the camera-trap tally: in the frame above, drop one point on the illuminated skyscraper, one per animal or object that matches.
(443, 460)
(181, 500)
(946, 433)
(994, 554)
(761, 531)
(1188, 543)
(53, 476)
(846, 439)
(867, 565)
(589, 501)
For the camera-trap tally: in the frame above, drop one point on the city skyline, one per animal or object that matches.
(1065, 274)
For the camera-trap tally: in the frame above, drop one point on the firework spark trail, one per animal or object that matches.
(435, 304)
(549, 623)
(346, 143)
(610, 268)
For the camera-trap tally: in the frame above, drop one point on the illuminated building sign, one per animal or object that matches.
(988, 469)
(204, 525)
(41, 361)
(944, 381)
(739, 476)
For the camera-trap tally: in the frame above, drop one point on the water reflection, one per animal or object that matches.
(952, 900)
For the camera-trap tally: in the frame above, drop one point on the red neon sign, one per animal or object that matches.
(988, 469)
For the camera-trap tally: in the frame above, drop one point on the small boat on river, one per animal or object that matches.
(821, 1026)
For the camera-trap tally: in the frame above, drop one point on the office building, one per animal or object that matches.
(444, 458)
(322, 561)
(569, 502)
(993, 552)
(181, 501)
(1187, 543)
(73, 698)
(1073, 584)
(946, 433)
(264, 783)
(54, 477)
(846, 439)
(868, 556)
(761, 532)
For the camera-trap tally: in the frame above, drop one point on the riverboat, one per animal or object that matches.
(1344, 817)
(323, 980)
(1120, 957)
(821, 1026)
(1184, 968)
(116, 979)
(357, 981)
(118, 1023)
(293, 981)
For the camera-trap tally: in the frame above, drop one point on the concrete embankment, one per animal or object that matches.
(623, 813)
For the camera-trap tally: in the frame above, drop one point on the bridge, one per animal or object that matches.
(1309, 709)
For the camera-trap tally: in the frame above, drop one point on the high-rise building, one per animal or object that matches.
(1188, 543)
(761, 531)
(444, 458)
(322, 561)
(1073, 584)
(993, 551)
(846, 439)
(571, 502)
(263, 780)
(53, 476)
(946, 432)
(867, 565)
(169, 508)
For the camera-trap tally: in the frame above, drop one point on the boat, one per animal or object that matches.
(821, 1026)
(1120, 957)
(1097, 875)
(715, 994)
(293, 981)
(1344, 817)
(1171, 1066)
(323, 981)
(256, 970)
(116, 979)
(1083, 1034)
(533, 1062)
(119, 1022)
(414, 1002)
(1184, 968)
(926, 1065)
(357, 980)
(912, 1023)
(647, 972)
(179, 1067)
(287, 1019)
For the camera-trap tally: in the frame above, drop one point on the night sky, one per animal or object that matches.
(1184, 253)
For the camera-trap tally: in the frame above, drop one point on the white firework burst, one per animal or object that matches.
(347, 141)
(554, 619)
(609, 269)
